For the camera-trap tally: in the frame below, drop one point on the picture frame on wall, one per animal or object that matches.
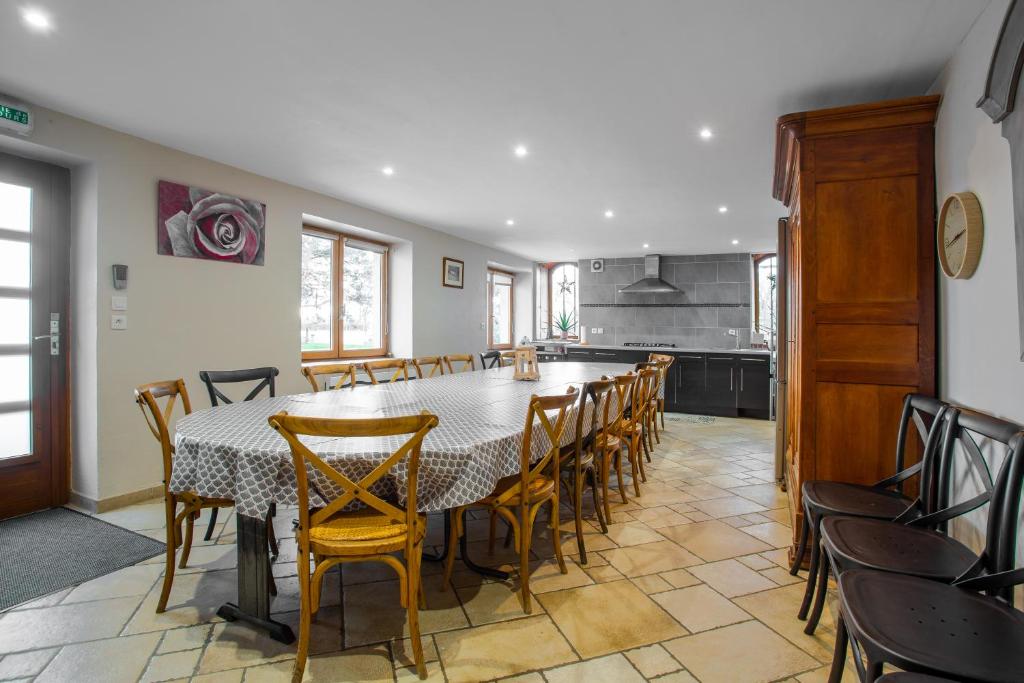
(213, 226)
(452, 272)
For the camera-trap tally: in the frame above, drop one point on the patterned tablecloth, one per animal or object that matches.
(231, 451)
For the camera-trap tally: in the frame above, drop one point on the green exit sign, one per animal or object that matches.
(15, 116)
(12, 114)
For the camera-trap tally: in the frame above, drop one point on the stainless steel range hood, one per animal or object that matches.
(651, 282)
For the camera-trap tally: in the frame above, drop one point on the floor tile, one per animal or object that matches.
(653, 660)
(25, 664)
(650, 558)
(651, 583)
(731, 578)
(777, 609)
(726, 507)
(699, 608)
(185, 638)
(373, 613)
(714, 540)
(772, 533)
(608, 617)
(658, 517)
(611, 669)
(129, 581)
(634, 533)
(748, 652)
(170, 666)
(680, 578)
(503, 649)
(63, 624)
(102, 661)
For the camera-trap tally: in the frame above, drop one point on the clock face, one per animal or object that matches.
(954, 235)
(959, 235)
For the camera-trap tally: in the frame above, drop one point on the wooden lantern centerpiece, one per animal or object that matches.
(525, 364)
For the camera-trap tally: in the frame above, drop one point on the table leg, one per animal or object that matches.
(254, 581)
(485, 571)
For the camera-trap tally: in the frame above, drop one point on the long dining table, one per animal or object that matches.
(231, 452)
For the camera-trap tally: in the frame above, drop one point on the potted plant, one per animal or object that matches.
(564, 323)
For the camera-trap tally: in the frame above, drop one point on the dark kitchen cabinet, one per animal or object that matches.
(686, 385)
(755, 386)
(720, 397)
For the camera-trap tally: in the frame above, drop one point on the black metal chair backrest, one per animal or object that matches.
(490, 359)
(264, 377)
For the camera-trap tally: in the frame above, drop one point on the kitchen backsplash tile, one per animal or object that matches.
(723, 279)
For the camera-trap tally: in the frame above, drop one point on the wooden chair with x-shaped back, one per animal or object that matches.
(345, 373)
(459, 362)
(664, 362)
(373, 533)
(399, 365)
(428, 366)
(519, 497)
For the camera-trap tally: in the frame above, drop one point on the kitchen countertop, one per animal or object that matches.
(619, 347)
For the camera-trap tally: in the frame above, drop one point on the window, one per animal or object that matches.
(344, 296)
(499, 309)
(563, 299)
(765, 273)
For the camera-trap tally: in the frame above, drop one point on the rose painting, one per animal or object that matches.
(208, 225)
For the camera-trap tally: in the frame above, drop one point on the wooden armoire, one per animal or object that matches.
(860, 284)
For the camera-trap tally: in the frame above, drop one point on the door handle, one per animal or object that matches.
(741, 379)
(730, 379)
(54, 342)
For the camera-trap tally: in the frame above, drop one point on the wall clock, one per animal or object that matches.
(959, 235)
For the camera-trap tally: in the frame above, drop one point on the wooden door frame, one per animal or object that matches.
(511, 310)
(54, 404)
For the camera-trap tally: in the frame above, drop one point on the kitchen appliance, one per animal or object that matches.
(650, 345)
(651, 282)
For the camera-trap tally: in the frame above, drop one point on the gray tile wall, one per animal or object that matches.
(703, 279)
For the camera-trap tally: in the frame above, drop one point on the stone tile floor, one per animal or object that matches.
(690, 583)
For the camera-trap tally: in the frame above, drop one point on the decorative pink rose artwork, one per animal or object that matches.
(198, 223)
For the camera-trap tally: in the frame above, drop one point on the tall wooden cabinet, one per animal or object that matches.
(860, 284)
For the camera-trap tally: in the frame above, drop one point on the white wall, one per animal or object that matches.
(185, 314)
(979, 344)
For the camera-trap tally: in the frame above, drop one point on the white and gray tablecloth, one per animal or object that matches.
(232, 452)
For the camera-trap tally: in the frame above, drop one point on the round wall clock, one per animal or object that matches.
(959, 235)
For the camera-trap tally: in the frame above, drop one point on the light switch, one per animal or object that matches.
(119, 322)
(118, 303)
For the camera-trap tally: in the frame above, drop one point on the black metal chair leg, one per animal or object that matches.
(812, 571)
(801, 548)
(835, 675)
(213, 523)
(819, 597)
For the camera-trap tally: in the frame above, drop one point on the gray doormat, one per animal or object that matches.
(48, 551)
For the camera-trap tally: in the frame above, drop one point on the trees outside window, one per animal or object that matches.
(500, 309)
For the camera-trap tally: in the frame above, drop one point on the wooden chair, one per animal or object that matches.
(634, 425)
(649, 409)
(148, 397)
(577, 458)
(428, 366)
(265, 378)
(399, 365)
(332, 535)
(664, 362)
(611, 441)
(882, 500)
(346, 373)
(518, 498)
(967, 630)
(464, 362)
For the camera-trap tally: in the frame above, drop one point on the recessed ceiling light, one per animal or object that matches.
(735, 241)
(387, 170)
(609, 214)
(723, 209)
(36, 19)
(510, 222)
(646, 246)
(706, 134)
(521, 151)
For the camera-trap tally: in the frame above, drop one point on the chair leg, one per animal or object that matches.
(556, 535)
(186, 548)
(661, 411)
(305, 614)
(634, 457)
(413, 571)
(621, 478)
(801, 548)
(213, 523)
(644, 438)
(606, 474)
(592, 473)
(819, 597)
(165, 593)
(835, 675)
(525, 539)
(812, 571)
(577, 505)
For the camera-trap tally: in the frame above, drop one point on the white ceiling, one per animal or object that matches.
(608, 95)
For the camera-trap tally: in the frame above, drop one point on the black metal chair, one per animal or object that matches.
(966, 630)
(265, 377)
(495, 359)
(882, 500)
(265, 380)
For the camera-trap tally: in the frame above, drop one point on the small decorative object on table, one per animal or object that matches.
(564, 323)
(451, 272)
(525, 366)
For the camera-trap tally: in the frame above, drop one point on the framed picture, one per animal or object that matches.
(197, 223)
(451, 272)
